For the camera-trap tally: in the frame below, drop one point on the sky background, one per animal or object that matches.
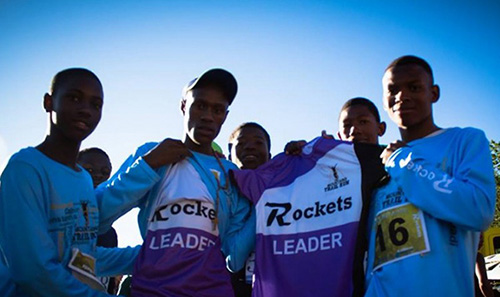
(296, 63)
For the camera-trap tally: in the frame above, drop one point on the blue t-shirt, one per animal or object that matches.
(48, 215)
(425, 223)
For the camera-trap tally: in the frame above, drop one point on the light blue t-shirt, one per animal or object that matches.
(425, 223)
(48, 214)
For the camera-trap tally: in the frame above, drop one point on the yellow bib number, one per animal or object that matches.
(400, 233)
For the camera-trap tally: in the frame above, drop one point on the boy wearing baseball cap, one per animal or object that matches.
(190, 212)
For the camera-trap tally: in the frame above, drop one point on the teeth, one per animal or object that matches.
(81, 125)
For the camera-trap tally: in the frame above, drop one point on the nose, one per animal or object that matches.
(401, 96)
(98, 177)
(249, 146)
(85, 109)
(207, 115)
(354, 130)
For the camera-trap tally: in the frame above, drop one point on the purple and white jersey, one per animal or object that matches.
(308, 209)
(181, 254)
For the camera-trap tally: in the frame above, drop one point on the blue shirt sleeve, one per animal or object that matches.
(125, 189)
(116, 261)
(240, 240)
(465, 196)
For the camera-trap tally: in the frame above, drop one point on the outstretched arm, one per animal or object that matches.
(135, 177)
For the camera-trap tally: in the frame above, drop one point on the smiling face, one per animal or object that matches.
(408, 97)
(358, 124)
(204, 110)
(249, 148)
(97, 164)
(74, 107)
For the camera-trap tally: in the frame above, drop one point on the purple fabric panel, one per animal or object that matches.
(180, 271)
(282, 170)
(303, 273)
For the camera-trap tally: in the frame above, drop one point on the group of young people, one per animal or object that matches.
(329, 217)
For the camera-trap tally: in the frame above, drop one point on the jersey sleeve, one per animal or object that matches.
(240, 238)
(116, 261)
(30, 253)
(465, 197)
(248, 182)
(125, 189)
(253, 183)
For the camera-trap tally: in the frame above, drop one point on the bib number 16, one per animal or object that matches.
(400, 233)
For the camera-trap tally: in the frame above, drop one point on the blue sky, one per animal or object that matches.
(296, 63)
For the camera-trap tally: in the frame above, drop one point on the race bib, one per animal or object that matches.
(400, 233)
(83, 269)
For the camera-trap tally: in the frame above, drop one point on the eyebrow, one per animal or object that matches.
(81, 93)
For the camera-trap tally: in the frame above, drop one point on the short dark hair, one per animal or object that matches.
(249, 125)
(91, 150)
(412, 60)
(364, 102)
(63, 75)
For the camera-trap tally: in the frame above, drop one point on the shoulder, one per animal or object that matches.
(26, 154)
(466, 138)
(467, 132)
(228, 164)
(146, 147)
(26, 169)
(26, 157)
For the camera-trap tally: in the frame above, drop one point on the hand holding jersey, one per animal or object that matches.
(167, 152)
(309, 209)
(189, 212)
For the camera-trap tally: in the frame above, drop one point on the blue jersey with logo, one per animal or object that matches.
(425, 223)
(308, 211)
(47, 212)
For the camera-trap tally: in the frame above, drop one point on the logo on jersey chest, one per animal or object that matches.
(394, 198)
(163, 212)
(284, 213)
(338, 182)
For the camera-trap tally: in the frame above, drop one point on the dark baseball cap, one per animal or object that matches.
(217, 76)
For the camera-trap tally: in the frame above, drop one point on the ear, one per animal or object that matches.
(47, 102)
(183, 106)
(381, 128)
(435, 92)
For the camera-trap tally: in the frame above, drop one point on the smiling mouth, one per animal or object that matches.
(250, 158)
(402, 109)
(82, 125)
